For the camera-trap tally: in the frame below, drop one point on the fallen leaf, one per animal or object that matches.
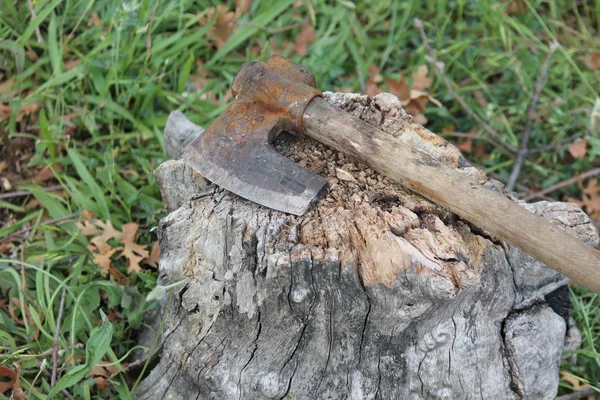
(516, 7)
(590, 199)
(578, 148)
(103, 260)
(70, 64)
(154, 257)
(94, 19)
(242, 7)
(592, 61)
(304, 38)
(224, 24)
(398, 88)
(5, 111)
(133, 252)
(6, 88)
(47, 173)
(28, 109)
(420, 79)
(11, 375)
(466, 146)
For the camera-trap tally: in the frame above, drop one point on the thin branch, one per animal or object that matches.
(523, 149)
(56, 335)
(477, 137)
(67, 394)
(579, 395)
(39, 265)
(562, 184)
(149, 37)
(21, 193)
(33, 17)
(49, 222)
(556, 146)
(440, 67)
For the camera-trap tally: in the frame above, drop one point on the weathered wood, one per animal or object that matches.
(376, 293)
(496, 214)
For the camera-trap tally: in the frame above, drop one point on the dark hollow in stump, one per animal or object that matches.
(376, 293)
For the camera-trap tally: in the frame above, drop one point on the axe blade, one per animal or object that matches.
(234, 153)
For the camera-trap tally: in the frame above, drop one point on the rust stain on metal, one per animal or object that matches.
(234, 151)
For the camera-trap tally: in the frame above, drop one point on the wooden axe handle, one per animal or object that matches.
(484, 208)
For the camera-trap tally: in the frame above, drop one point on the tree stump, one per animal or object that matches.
(375, 293)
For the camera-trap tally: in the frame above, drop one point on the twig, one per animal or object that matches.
(562, 184)
(67, 394)
(56, 335)
(149, 37)
(49, 222)
(579, 395)
(38, 265)
(33, 16)
(523, 149)
(440, 67)
(477, 137)
(21, 193)
(555, 146)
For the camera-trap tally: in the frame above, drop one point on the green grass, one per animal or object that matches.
(101, 96)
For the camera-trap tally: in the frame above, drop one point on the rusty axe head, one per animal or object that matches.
(234, 151)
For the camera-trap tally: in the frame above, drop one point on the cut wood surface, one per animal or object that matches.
(376, 293)
(417, 170)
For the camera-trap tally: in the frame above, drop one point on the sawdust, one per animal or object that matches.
(375, 223)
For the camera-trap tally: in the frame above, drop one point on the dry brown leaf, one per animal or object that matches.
(87, 215)
(69, 64)
(223, 27)
(13, 377)
(592, 61)
(578, 148)
(88, 228)
(5, 111)
(28, 109)
(590, 199)
(466, 146)
(108, 231)
(47, 173)
(399, 88)
(304, 38)
(154, 257)
(420, 79)
(242, 7)
(94, 19)
(133, 252)
(516, 7)
(103, 259)
(6, 88)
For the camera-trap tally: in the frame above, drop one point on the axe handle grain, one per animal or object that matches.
(484, 208)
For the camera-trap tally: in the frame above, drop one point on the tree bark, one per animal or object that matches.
(376, 293)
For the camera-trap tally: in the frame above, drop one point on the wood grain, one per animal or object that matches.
(487, 210)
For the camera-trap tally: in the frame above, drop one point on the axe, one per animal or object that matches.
(278, 95)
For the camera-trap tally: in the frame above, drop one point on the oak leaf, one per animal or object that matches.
(224, 24)
(590, 199)
(304, 38)
(133, 252)
(154, 257)
(578, 148)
